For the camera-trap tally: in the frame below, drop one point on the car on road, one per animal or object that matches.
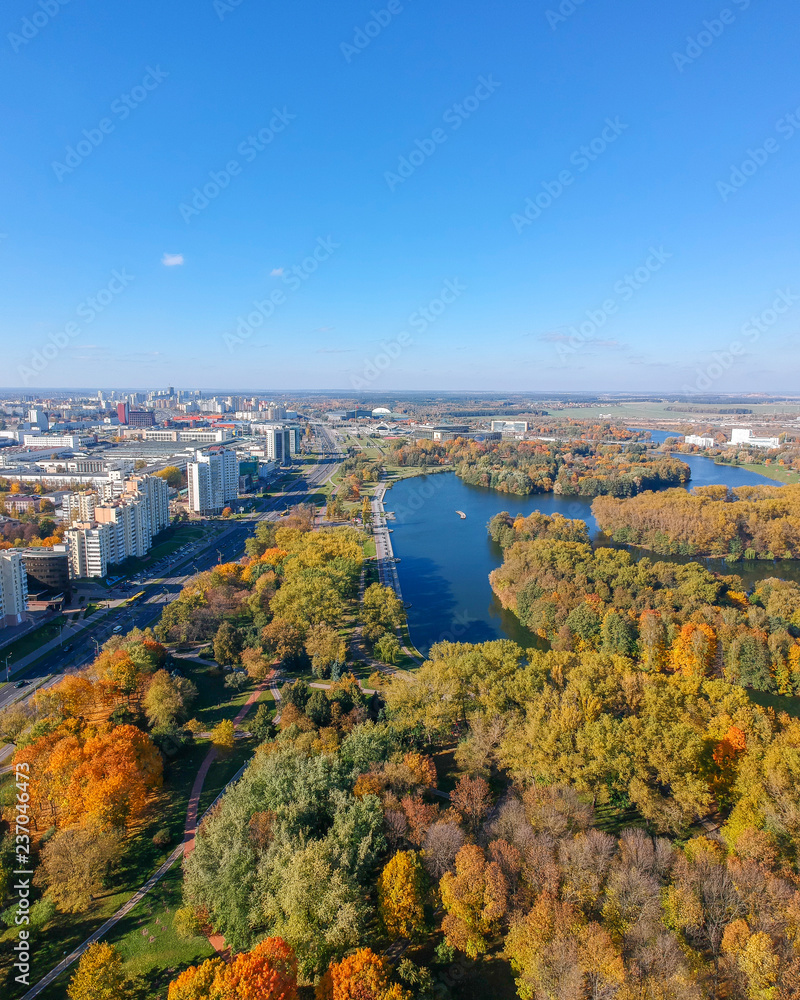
(21, 684)
(116, 630)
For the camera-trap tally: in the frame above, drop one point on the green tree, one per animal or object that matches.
(168, 699)
(388, 648)
(173, 476)
(227, 645)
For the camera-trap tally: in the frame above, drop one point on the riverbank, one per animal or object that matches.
(445, 561)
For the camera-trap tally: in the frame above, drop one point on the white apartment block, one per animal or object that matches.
(700, 442)
(89, 549)
(279, 441)
(79, 507)
(120, 527)
(156, 493)
(213, 480)
(13, 588)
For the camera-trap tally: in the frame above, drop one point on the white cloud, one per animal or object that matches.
(172, 259)
(276, 272)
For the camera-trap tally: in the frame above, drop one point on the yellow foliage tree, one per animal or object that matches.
(100, 976)
(401, 896)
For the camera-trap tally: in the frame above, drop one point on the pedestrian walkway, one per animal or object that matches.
(183, 849)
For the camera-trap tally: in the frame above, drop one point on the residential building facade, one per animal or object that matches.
(213, 480)
(13, 588)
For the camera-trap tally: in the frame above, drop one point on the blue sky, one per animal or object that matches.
(434, 279)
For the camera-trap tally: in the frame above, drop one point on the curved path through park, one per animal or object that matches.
(186, 847)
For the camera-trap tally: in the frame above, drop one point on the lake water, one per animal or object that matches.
(445, 560)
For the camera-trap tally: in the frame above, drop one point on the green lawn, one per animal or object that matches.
(142, 857)
(28, 644)
(777, 472)
(779, 702)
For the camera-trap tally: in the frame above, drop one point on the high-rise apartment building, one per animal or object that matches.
(123, 525)
(79, 507)
(279, 444)
(89, 547)
(156, 492)
(13, 588)
(213, 479)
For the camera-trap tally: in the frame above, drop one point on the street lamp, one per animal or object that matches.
(8, 673)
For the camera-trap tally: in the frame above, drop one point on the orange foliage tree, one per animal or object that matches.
(79, 775)
(476, 898)
(268, 972)
(695, 649)
(361, 976)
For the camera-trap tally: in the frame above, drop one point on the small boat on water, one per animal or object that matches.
(461, 514)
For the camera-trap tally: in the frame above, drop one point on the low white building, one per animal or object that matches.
(71, 441)
(699, 442)
(744, 436)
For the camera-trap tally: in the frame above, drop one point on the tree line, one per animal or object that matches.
(751, 522)
(665, 616)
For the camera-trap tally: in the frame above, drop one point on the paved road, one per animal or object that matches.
(174, 574)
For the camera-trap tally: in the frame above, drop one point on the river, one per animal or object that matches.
(445, 560)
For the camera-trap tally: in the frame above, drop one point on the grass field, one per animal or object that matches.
(777, 472)
(779, 702)
(20, 648)
(215, 702)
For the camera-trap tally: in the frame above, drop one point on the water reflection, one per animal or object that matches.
(445, 561)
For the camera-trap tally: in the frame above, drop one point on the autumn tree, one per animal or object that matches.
(361, 976)
(325, 647)
(223, 735)
(74, 865)
(173, 476)
(256, 664)
(472, 798)
(268, 972)
(694, 650)
(475, 898)
(401, 896)
(168, 699)
(195, 983)
(100, 976)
